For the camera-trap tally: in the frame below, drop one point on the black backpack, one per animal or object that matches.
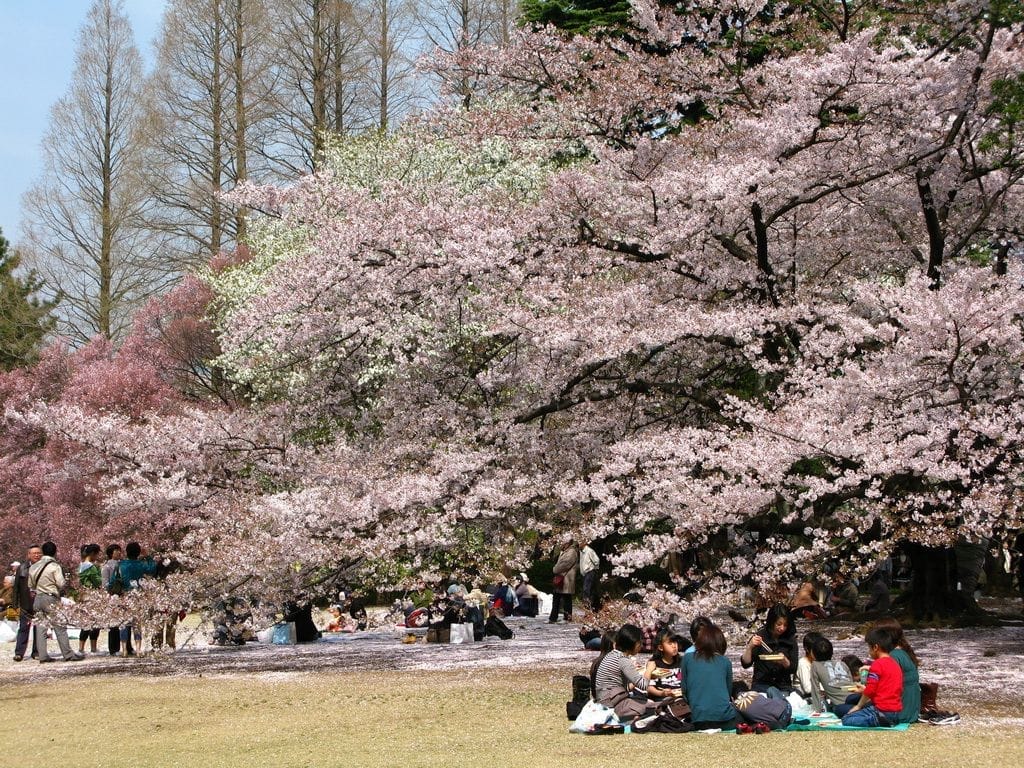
(580, 696)
(497, 627)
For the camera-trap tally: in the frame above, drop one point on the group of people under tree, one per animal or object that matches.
(698, 671)
(39, 585)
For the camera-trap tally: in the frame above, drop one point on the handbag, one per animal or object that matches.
(677, 707)
(558, 581)
(438, 633)
(284, 633)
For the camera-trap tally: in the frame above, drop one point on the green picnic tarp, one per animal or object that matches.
(832, 723)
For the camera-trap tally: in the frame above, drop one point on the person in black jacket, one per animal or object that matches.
(777, 638)
(24, 600)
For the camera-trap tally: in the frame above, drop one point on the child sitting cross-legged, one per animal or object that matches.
(829, 675)
(881, 698)
(617, 683)
(665, 666)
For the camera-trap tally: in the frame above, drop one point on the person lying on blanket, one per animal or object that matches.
(881, 698)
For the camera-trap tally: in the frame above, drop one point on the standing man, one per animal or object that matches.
(46, 579)
(589, 570)
(106, 575)
(136, 566)
(564, 582)
(23, 599)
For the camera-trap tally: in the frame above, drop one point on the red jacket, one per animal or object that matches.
(885, 684)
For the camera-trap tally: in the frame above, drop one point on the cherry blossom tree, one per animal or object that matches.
(754, 305)
(53, 489)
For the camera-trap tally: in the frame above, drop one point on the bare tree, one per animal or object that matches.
(83, 219)
(210, 102)
(389, 31)
(455, 25)
(506, 14)
(321, 69)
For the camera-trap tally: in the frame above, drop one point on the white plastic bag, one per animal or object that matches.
(461, 633)
(544, 601)
(801, 707)
(7, 635)
(593, 714)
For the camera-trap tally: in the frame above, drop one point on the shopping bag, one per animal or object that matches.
(593, 715)
(461, 633)
(7, 635)
(284, 633)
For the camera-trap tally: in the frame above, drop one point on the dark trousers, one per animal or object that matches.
(565, 601)
(24, 632)
(590, 589)
(114, 641)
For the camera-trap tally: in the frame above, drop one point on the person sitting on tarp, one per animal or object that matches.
(300, 611)
(527, 600)
(503, 600)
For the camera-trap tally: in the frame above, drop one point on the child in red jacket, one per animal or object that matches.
(881, 698)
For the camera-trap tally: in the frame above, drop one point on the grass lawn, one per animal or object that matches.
(484, 719)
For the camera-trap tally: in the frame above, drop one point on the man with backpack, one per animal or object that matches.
(23, 601)
(110, 580)
(46, 579)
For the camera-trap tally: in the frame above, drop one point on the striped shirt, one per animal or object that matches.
(615, 671)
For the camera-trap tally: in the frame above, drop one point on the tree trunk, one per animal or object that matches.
(241, 125)
(104, 298)
(216, 137)
(383, 109)
(933, 590)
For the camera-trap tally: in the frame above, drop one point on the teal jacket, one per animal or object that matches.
(708, 684)
(132, 571)
(911, 686)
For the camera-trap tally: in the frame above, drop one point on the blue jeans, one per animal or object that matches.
(871, 717)
(840, 710)
(771, 691)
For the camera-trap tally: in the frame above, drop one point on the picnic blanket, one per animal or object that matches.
(829, 722)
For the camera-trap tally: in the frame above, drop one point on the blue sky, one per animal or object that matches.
(37, 54)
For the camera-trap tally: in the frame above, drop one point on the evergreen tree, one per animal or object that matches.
(24, 320)
(577, 17)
